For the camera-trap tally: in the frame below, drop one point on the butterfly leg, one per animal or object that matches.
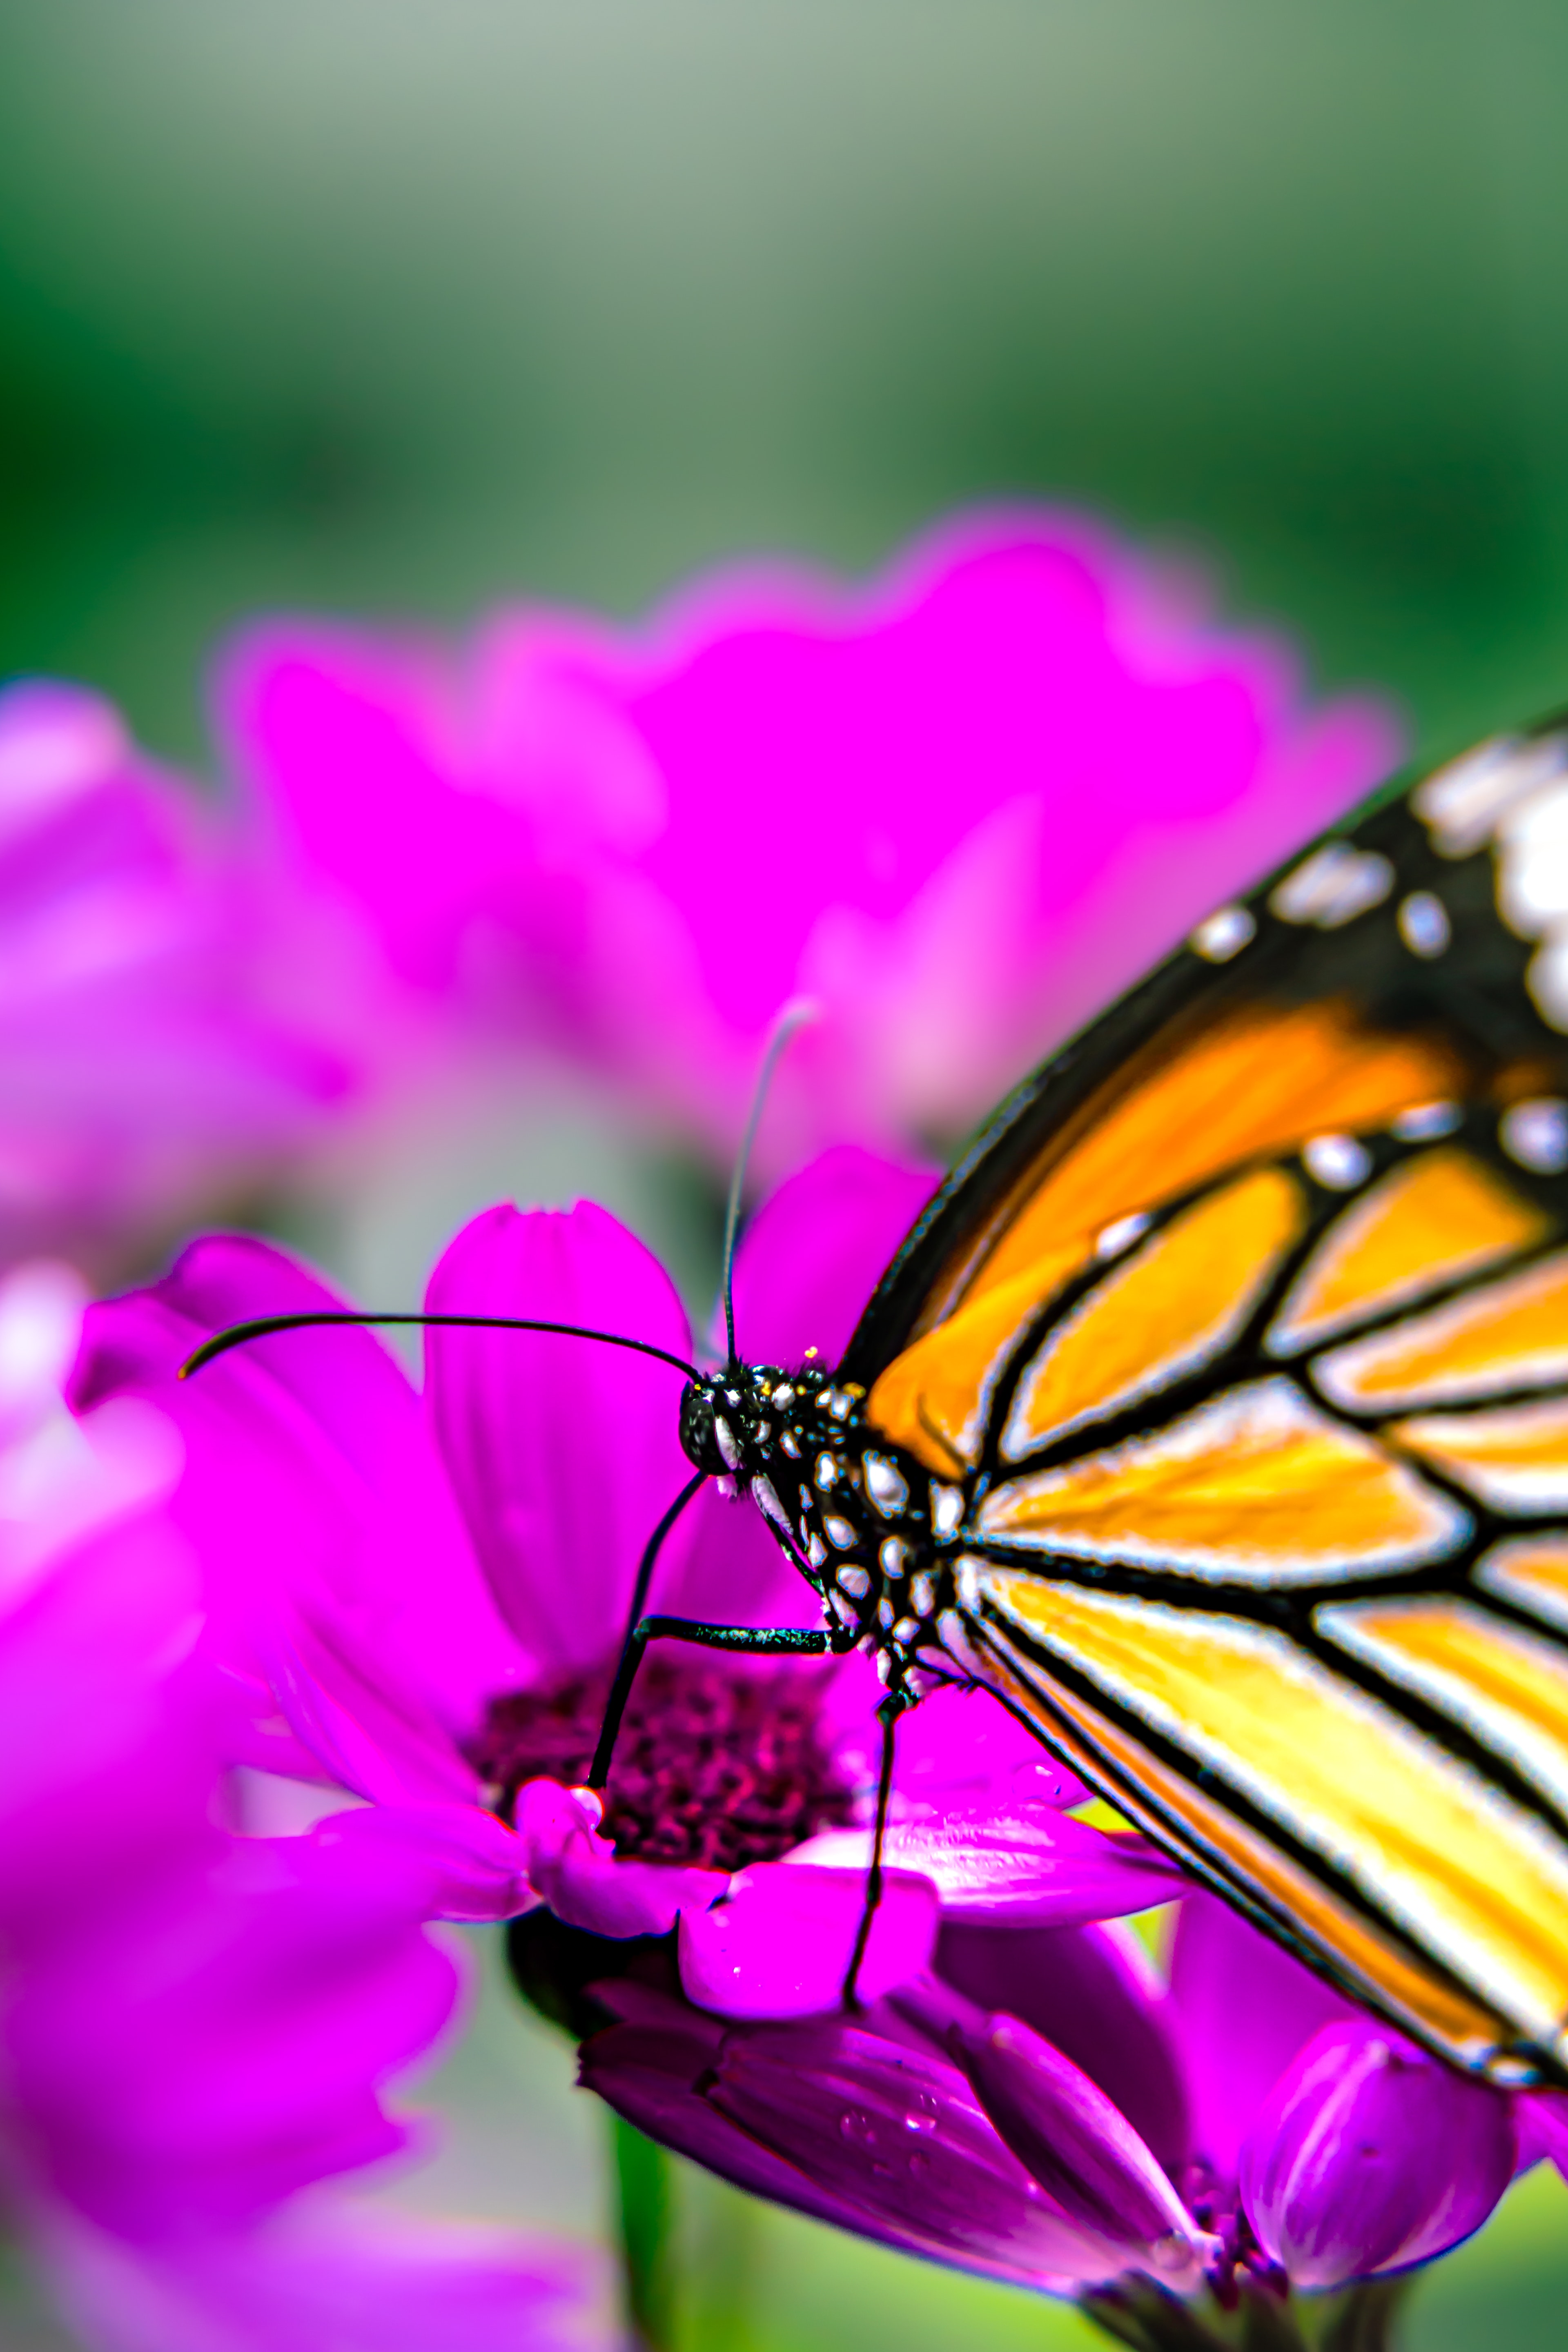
(749, 1641)
(892, 1706)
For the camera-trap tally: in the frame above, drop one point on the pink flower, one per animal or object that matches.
(432, 1596)
(958, 808)
(1045, 2107)
(142, 1070)
(196, 2027)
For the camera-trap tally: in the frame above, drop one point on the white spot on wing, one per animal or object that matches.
(1338, 1162)
(946, 1508)
(1423, 1121)
(1332, 886)
(1424, 924)
(1535, 1133)
(886, 1485)
(1223, 935)
(1460, 804)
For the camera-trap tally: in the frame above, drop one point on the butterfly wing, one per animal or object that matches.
(1245, 1329)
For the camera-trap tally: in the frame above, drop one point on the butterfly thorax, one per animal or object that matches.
(874, 1533)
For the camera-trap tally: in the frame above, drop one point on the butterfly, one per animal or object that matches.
(1215, 1412)
(1214, 1415)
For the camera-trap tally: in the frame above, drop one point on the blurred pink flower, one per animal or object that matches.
(144, 1070)
(958, 808)
(196, 2027)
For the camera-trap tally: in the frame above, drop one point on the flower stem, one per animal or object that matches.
(1148, 2319)
(645, 2186)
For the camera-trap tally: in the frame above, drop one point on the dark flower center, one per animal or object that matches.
(716, 1765)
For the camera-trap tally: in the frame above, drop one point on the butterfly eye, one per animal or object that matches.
(700, 1440)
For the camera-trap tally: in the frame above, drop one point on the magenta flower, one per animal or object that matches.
(432, 1595)
(144, 1071)
(1042, 2107)
(196, 2027)
(958, 808)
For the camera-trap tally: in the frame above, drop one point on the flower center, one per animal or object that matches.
(716, 1765)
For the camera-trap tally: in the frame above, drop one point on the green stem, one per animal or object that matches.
(1143, 2317)
(645, 2186)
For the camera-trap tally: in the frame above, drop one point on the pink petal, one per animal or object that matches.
(563, 1453)
(1024, 1867)
(1369, 2156)
(1092, 1993)
(337, 1572)
(1073, 2140)
(816, 1249)
(143, 1066)
(780, 1943)
(334, 2278)
(574, 1871)
(960, 1742)
(476, 1866)
(1242, 2010)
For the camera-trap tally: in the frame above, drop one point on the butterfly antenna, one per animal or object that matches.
(238, 1334)
(795, 1015)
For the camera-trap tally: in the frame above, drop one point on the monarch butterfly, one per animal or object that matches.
(1215, 1415)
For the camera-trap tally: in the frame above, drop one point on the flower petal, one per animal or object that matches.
(334, 2278)
(337, 1572)
(194, 2056)
(477, 1867)
(1369, 2156)
(897, 2133)
(1029, 1867)
(1074, 2140)
(574, 1871)
(563, 1453)
(780, 1943)
(1241, 2009)
(647, 2069)
(960, 1741)
(816, 1249)
(1092, 1993)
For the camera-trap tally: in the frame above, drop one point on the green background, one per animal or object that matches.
(398, 309)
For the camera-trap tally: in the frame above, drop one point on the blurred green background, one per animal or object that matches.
(400, 308)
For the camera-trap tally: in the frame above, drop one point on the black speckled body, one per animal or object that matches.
(869, 1527)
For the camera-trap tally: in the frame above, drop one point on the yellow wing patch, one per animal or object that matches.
(1437, 1218)
(1532, 1572)
(1514, 1458)
(1178, 1811)
(1475, 1879)
(1512, 1333)
(1257, 1486)
(1171, 1307)
(1509, 1687)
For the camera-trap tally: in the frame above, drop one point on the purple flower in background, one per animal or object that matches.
(144, 1070)
(424, 1600)
(958, 808)
(196, 2027)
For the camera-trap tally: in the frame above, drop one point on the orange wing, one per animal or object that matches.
(1243, 1333)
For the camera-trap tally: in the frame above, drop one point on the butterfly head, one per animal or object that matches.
(730, 1419)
